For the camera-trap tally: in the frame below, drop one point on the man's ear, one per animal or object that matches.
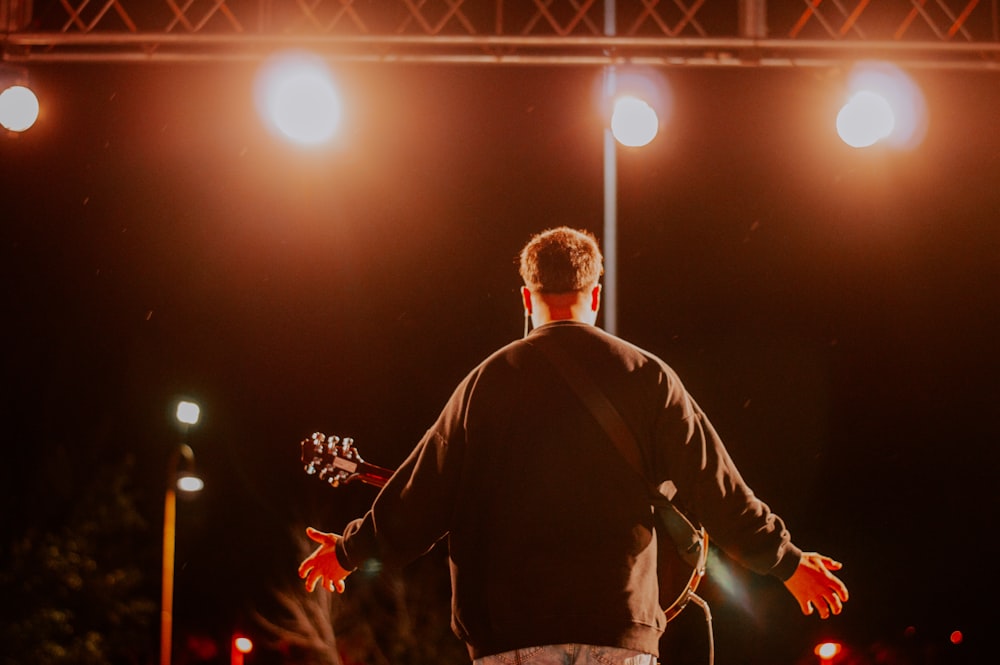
(526, 296)
(595, 298)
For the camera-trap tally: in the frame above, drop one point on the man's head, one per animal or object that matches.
(561, 268)
(561, 260)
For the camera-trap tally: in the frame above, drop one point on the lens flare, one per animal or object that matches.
(903, 97)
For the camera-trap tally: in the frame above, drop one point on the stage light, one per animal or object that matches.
(296, 96)
(188, 413)
(866, 119)
(633, 122)
(827, 651)
(18, 108)
(240, 647)
(187, 481)
(876, 92)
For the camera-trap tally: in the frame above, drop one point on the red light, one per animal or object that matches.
(956, 637)
(827, 650)
(243, 644)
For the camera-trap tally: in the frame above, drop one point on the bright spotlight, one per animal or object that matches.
(897, 92)
(188, 413)
(866, 119)
(189, 482)
(633, 122)
(243, 644)
(297, 98)
(827, 650)
(18, 108)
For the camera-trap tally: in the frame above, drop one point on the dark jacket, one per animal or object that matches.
(548, 528)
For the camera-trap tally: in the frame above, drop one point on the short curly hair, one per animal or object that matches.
(561, 260)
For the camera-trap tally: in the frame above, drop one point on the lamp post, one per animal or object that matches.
(187, 415)
(609, 294)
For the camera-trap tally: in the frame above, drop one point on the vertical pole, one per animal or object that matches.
(169, 530)
(609, 294)
(753, 19)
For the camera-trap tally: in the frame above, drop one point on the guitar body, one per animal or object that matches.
(682, 548)
(681, 557)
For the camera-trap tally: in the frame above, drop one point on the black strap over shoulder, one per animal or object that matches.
(597, 402)
(681, 531)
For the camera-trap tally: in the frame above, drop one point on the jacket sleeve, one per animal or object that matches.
(710, 486)
(414, 509)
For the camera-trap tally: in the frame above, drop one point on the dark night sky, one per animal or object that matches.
(833, 310)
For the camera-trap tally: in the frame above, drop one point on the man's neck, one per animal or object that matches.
(550, 313)
(551, 307)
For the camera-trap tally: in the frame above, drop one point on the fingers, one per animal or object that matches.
(826, 605)
(829, 563)
(307, 565)
(311, 579)
(319, 536)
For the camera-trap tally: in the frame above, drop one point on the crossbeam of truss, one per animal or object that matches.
(918, 33)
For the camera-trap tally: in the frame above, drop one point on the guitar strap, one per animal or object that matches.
(685, 536)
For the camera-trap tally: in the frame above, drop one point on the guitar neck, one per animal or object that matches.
(370, 474)
(351, 470)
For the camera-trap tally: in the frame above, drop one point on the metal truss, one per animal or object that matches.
(917, 33)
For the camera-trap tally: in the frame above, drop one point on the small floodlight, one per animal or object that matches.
(189, 482)
(18, 108)
(188, 412)
(866, 119)
(886, 103)
(296, 96)
(633, 122)
(243, 644)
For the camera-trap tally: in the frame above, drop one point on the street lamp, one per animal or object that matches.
(184, 479)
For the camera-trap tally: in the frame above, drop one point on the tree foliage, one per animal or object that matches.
(73, 586)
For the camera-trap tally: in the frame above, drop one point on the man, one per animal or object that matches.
(548, 527)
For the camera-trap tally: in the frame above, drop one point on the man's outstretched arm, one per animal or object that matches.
(815, 587)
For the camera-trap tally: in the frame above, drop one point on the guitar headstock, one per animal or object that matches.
(335, 461)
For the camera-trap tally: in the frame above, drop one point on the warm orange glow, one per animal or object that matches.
(243, 644)
(827, 650)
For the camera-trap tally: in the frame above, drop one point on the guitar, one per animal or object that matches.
(682, 548)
